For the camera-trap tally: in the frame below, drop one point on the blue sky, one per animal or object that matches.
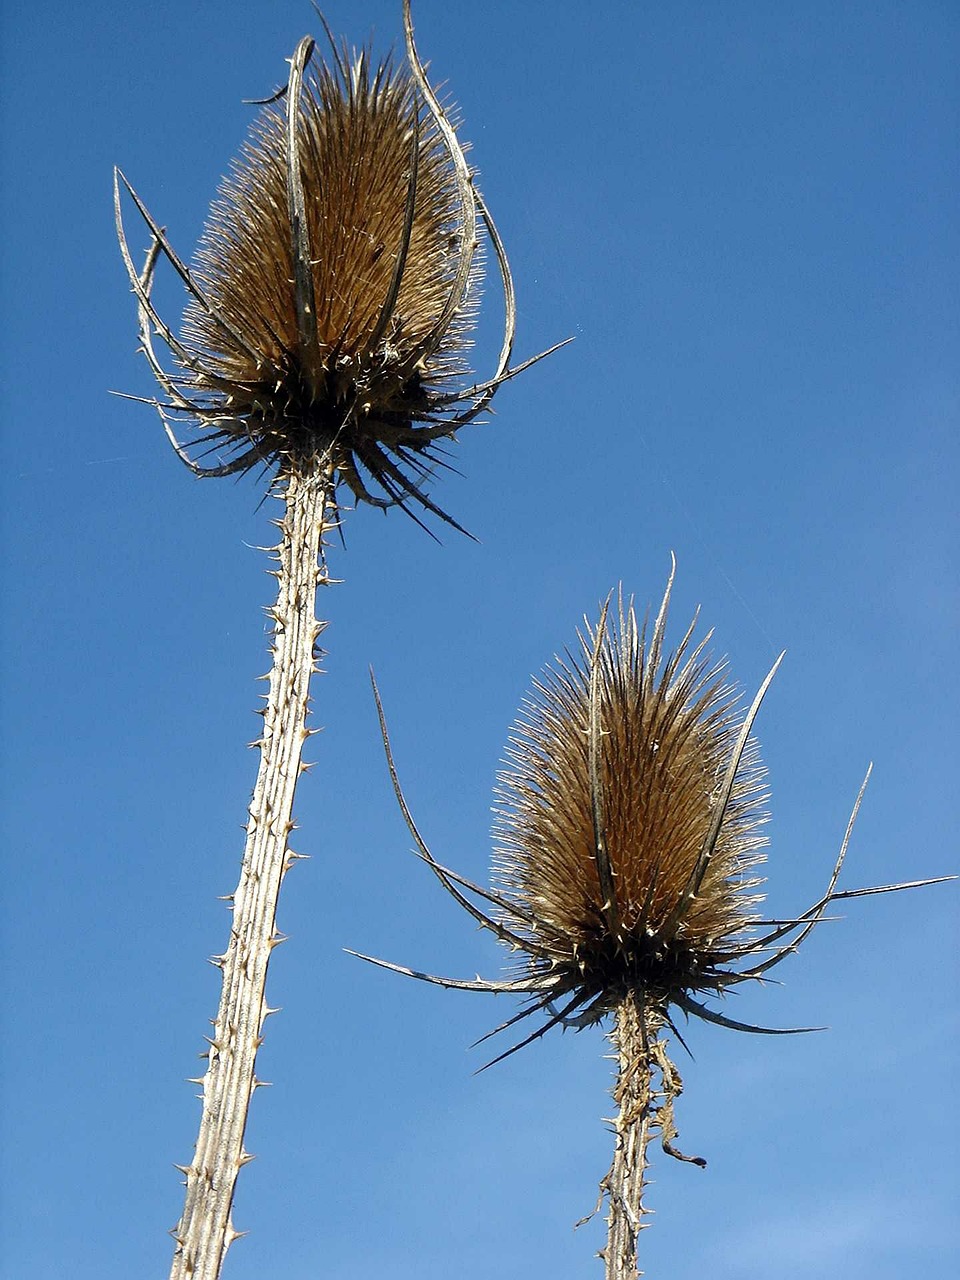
(745, 213)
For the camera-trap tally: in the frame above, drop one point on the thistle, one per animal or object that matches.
(329, 309)
(628, 838)
(334, 290)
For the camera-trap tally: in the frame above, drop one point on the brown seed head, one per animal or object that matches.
(605, 828)
(627, 836)
(359, 382)
(334, 288)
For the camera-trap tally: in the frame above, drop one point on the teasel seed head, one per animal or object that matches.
(628, 837)
(605, 839)
(334, 292)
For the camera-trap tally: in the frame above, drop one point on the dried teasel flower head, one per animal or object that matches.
(335, 287)
(628, 838)
(628, 835)
(629, 815)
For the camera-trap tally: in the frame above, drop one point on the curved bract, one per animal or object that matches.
(335, 287)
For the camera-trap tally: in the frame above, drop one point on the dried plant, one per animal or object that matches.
(329, 310)
(627, 844)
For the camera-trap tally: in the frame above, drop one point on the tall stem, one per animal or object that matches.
(205, 1230)
(648, 1085)
(635, 1120)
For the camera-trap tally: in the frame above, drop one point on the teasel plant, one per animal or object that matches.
(329, 310)
(628, 839)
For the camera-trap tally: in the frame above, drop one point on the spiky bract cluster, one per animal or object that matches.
(608, 843)
(627, 836)
(334, 289)
(366, 375)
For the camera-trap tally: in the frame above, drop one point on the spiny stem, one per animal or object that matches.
(634, 1124)
(648, 1084)
(205, 1230)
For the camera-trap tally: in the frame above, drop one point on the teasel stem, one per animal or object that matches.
(633, 1126)
(647, 1086)
(205, 1231)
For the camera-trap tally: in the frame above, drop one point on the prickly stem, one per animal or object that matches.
(205, 1232)
(648, 1085)
(635, 1121)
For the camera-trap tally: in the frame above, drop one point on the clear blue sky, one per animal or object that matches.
(746, 213)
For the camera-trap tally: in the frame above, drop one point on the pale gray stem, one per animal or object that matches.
(634, 1123)
(205, 1231)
